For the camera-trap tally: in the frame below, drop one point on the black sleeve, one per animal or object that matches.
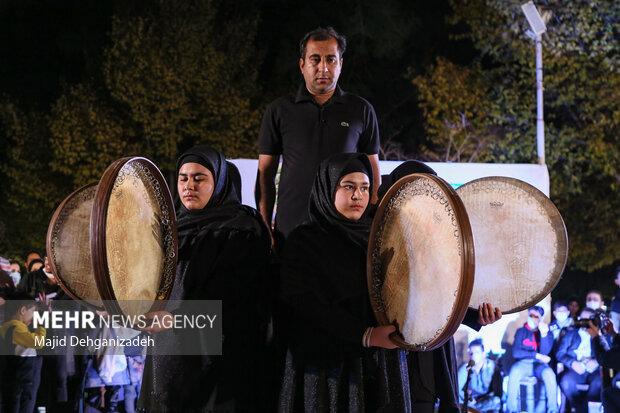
(369, 139)
(301, 290)
(269, 137)
(471, 319)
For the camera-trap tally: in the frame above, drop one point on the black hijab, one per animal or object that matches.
(322, 209)
(402, 170)
(224, 208)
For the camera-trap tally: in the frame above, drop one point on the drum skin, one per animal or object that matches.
(133, 237)
(520, 241)
(68, 246)
(420, 262)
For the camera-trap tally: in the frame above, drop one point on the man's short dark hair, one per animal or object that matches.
(586, 311)
(560, 303)
(600, 294)
(477, 342)
(538, 309)
(320, 34)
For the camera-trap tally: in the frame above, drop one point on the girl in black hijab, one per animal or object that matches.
(329, 365)
(223, 255)
(433, 374)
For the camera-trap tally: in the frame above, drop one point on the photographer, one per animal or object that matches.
(608, 357)
(575, 353)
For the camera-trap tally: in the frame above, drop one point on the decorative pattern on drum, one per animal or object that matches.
(134, 236)
(520, 242)
(420, 261)
(68, 241)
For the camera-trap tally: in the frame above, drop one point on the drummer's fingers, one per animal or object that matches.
(484, 313)
(498, 313)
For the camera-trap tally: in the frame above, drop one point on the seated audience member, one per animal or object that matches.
(581, 367)
(615, 302)
(609, 358)
(558, 328)
(21, 367)
(561, 320)
(481, 396)
(531, 348)
(594, 300)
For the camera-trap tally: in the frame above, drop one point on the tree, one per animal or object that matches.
(172, 76)
(582, 88)
(30, 189)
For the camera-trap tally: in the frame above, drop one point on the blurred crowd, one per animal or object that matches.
(34, 380)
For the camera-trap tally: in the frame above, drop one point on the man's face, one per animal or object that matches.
(321, 66)
(476, 353)
(573, 307)
(561, 313)
(594, 301)
(15, 267)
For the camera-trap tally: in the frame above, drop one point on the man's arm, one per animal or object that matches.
(265, 189)
(374, 161)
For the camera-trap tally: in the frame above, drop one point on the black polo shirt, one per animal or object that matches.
(305, 133)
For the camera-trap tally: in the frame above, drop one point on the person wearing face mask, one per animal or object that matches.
(531, 348)
(558, 328)
(615, 302)
(479, 388)
(594, 300)
(576, 354)
(562, 320)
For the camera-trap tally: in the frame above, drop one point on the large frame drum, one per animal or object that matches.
(133, 237)
(113, 245)
(421, 261)
(520, 240)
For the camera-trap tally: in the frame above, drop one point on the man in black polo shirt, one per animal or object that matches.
(307, 127)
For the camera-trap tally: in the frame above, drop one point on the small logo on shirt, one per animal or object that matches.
(345, 124)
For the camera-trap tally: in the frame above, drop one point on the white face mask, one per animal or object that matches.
(594, 305)
(561, 316)
(531, 323)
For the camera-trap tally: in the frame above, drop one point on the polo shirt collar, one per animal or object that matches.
(304, 96)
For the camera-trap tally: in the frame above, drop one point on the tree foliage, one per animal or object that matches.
(582, 119)
(30, 189)
(170, 78)
(173, 74)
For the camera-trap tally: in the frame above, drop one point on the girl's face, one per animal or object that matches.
(195, 185)
(353, 195)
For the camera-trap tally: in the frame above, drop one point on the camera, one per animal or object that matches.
(601, 320)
